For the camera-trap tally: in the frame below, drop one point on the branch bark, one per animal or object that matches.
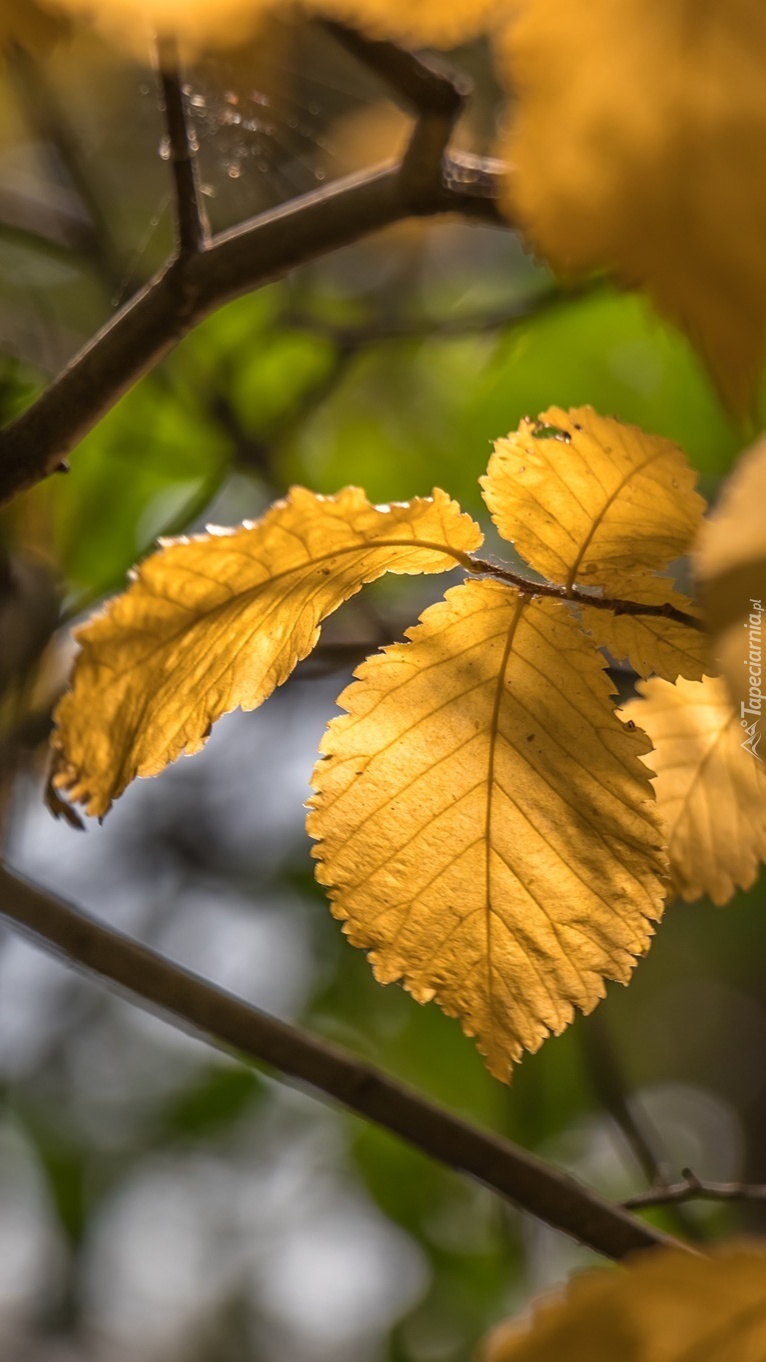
(579, 594)
(192, 230)
(193, 1003)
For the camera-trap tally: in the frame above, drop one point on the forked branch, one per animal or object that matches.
(204, 274)
(693, 1188)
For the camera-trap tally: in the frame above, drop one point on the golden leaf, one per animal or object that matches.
(29, 24)
(652, 643)
(588, 500)
(637, 142)
(132, 24)
(669, 1306)
(483, 820)
(730, 561)
(430, 22)
(217, 621)
(197, 23)
(711, 787)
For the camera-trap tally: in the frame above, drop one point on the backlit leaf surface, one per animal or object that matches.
(483, 819)
(652, 643)
(711, 790)
(589, 500)
(217, 621)
(636, 142)
(431, 22)
(133, 23)
(669, 1306)
(198, 23)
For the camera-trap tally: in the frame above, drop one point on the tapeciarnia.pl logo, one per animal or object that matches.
(753, 708)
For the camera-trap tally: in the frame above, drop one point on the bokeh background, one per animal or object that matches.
(160, 1202)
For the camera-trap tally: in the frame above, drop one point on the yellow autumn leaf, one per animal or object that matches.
(484, 821)
(218, 621)
(29, 24)
(197, 23)
(652, 643)
(730, 563)
(132, 24)
(590, 501)
(710, 784)
(668, 1306)
(637, 142)
(429, 22)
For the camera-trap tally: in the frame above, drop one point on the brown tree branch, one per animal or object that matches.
(426, 83)
(189, 288)
(192, 230)
(638, 1131)
(694, 1189)
(195, 1004)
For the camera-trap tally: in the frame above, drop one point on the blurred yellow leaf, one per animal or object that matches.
(132, 24)
(668, 1306)
(711, 787)
(367, 136)
(730, 562)
(589, 500)
(483, 819)
(29, 24)
(217, 621)
(229, 22)
(652, 643)
(431, 22)
(637, 144)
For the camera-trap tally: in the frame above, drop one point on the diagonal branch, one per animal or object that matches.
(190, 1001)
(425, 83)
(638, 1131)
(191, 219)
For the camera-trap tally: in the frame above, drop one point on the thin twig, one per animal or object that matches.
(191, 219)
(617, 605)
(609, 1088)
(642, 1138)
(695, 1189)
(518, 1176)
